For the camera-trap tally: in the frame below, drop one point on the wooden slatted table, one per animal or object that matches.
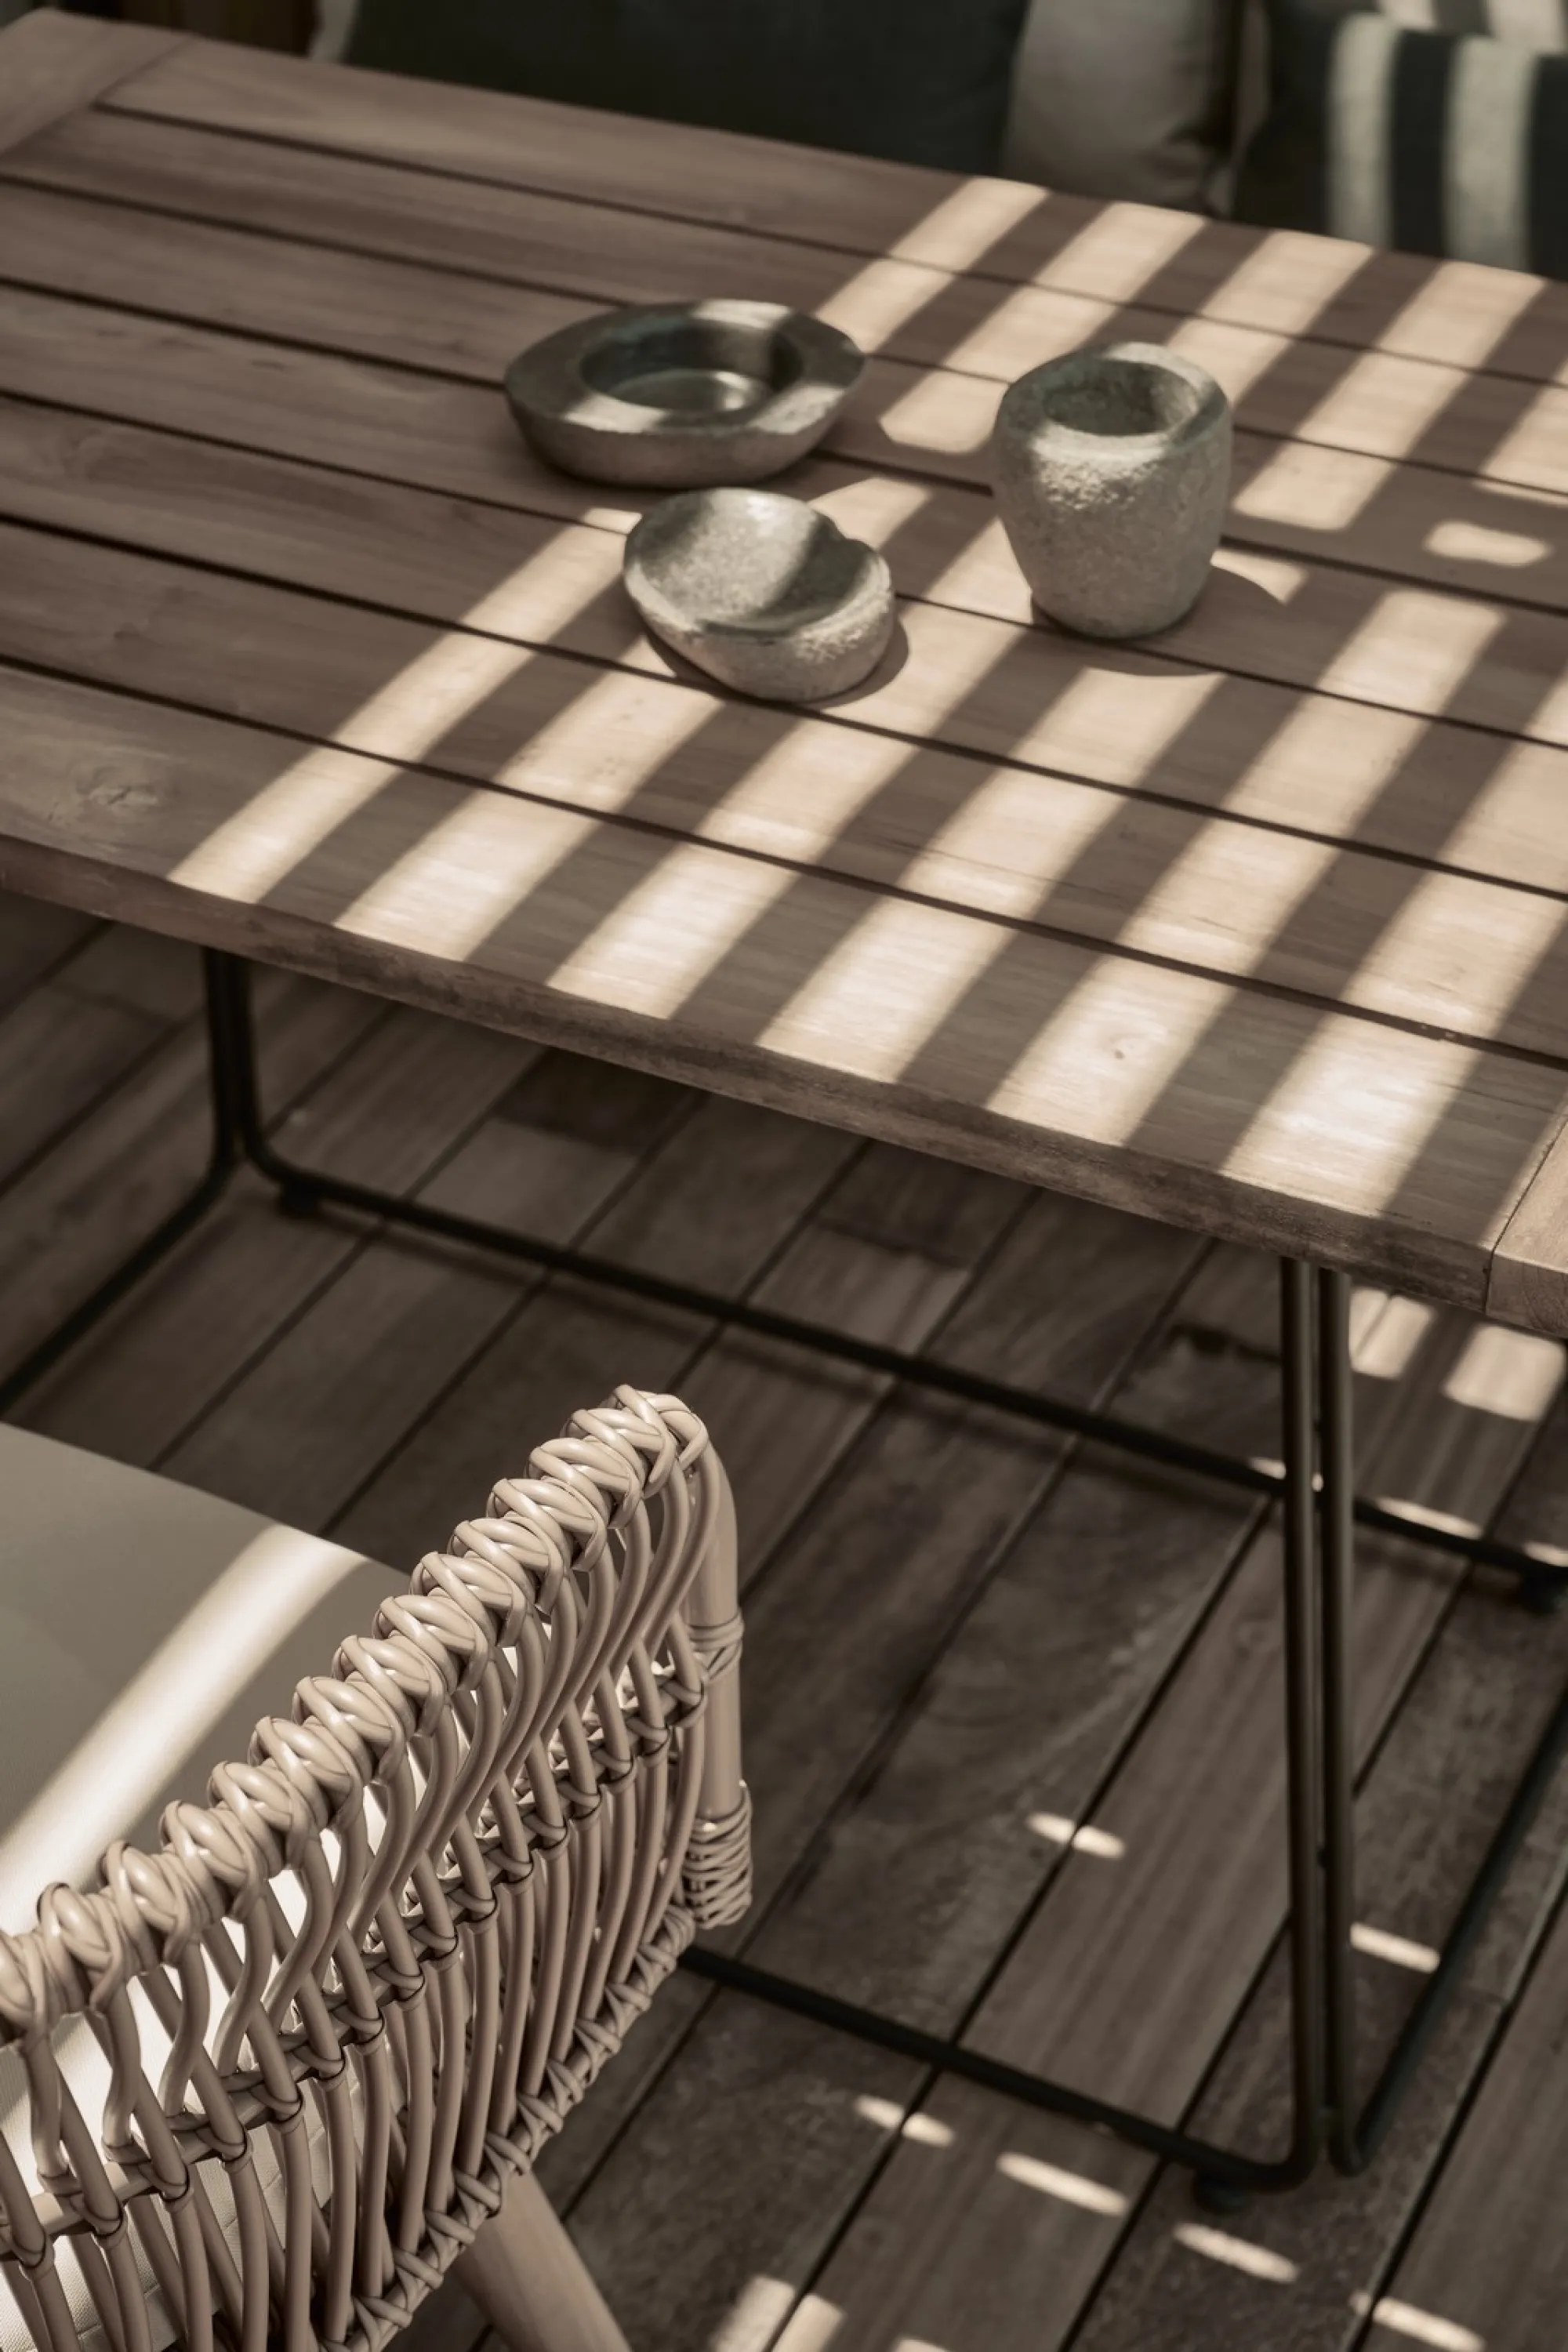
(1258, 928)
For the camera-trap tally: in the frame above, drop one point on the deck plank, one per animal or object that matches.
(35, 938)
(79, 1212)
(924, 1508)
(1122, 1981)
(401, 1317)
(1484, 1694)
(1140, 1602)
(1092, 1599)
(387, 1113)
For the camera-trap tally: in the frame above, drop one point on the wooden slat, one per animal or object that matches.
(1389, 403)
(1224, 897)
(51, 64)
(1346, 496)
(1154, 1091)
(1528, 1284)
(1118, 718)
(1369, 639)
(1281, 283)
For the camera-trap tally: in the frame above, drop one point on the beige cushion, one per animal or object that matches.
(144, 1630)
(1127, 99)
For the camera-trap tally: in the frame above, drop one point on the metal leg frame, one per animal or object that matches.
(1321, 1511)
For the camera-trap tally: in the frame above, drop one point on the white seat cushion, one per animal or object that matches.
(144, 1630)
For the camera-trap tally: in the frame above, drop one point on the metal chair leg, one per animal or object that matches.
(530, 2282)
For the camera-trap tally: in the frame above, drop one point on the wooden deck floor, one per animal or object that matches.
(963, 1638)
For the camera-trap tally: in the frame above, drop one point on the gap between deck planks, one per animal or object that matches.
(1350, 489)
(1283, 284)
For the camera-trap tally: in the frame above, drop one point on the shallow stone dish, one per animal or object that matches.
(1111, 470)
(762, 591)
(682, 394)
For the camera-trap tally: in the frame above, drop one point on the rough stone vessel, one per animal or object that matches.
(680, 395)
(762, 591)
(1111, 470)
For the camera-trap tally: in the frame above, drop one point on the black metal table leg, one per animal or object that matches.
(1337, 1670)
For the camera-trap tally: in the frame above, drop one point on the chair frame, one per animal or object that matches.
(500, 1820)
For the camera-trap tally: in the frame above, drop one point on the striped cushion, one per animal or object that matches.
(1411, 125)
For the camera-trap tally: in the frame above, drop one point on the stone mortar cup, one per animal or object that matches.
(1111, 470)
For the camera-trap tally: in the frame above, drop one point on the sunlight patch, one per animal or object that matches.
(1068, 2187)
(1421, 2327)
(1081, 1836)
(1219, 2246)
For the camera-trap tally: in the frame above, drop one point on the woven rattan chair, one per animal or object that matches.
(266, 2078)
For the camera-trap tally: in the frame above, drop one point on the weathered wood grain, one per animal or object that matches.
(387, 1113)
(1281, 283)
(1348, 493)
(1131, 2006)
(1227, 896)
(50, 65)
(1360, 637)
(1490, 2255)
(1035, 1314)
(79, 1212)
(401, 1317)
(924, 1509)
(59, 1053)
(1483, 1695)
(1528, 1283)
(525, 265)
(1209, 1103)
(1432, 790)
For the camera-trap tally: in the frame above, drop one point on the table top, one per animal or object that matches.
(1257, 927)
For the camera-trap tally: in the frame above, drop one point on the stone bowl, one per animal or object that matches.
(762, 591)
(1111, 472)
(682, 394)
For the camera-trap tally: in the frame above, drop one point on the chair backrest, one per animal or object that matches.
(281, 2071)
